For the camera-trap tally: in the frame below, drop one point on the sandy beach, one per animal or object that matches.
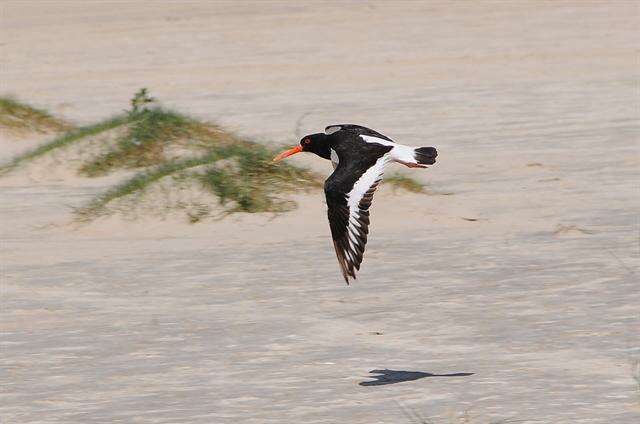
(508, 292)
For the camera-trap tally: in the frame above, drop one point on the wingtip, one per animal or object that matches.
(346, 278)
(346, 275)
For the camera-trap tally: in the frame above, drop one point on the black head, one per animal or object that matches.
(314, 143)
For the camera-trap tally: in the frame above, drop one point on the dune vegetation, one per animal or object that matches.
(151, 144)
(17, 116)
(402, 182)
(398, 181)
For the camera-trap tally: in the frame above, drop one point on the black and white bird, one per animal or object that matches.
(359, 156)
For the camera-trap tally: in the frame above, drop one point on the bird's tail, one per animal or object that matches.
(425, 155)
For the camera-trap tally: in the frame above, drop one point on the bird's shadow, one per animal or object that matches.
(386, 376)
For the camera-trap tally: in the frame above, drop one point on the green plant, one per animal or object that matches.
(253, 183)
(139, 101)
(66, 139)
(148, 133)
(139, 182)
(398, 181)
(19, 116)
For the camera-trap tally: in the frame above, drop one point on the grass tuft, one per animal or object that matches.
(19, 116)
(136, 184)
(239, 172)
(398, 181)
(148, 134)
(241, 176)
(65, 139)
(251, 182)
(402, 182)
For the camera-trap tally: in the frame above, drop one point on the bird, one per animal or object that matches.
(359, 156)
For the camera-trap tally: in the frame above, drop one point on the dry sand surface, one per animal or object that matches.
(515, 297)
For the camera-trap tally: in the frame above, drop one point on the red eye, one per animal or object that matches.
(306, 141)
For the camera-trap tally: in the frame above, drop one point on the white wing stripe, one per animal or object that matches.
(399, 153)
(370, 177)
(365, 182)
(353, 241)
(377, 140)
(349, 254)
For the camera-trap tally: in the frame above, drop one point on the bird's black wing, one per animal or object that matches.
(354, 129)
(349, 192)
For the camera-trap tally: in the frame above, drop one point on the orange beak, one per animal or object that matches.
(287, 153)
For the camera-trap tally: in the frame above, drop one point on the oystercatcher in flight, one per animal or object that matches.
(358, 155)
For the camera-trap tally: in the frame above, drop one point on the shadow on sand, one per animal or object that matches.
(386, 376)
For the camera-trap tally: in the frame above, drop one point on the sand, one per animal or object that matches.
(515, 296)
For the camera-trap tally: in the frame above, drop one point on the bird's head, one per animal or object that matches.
(314, 143)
